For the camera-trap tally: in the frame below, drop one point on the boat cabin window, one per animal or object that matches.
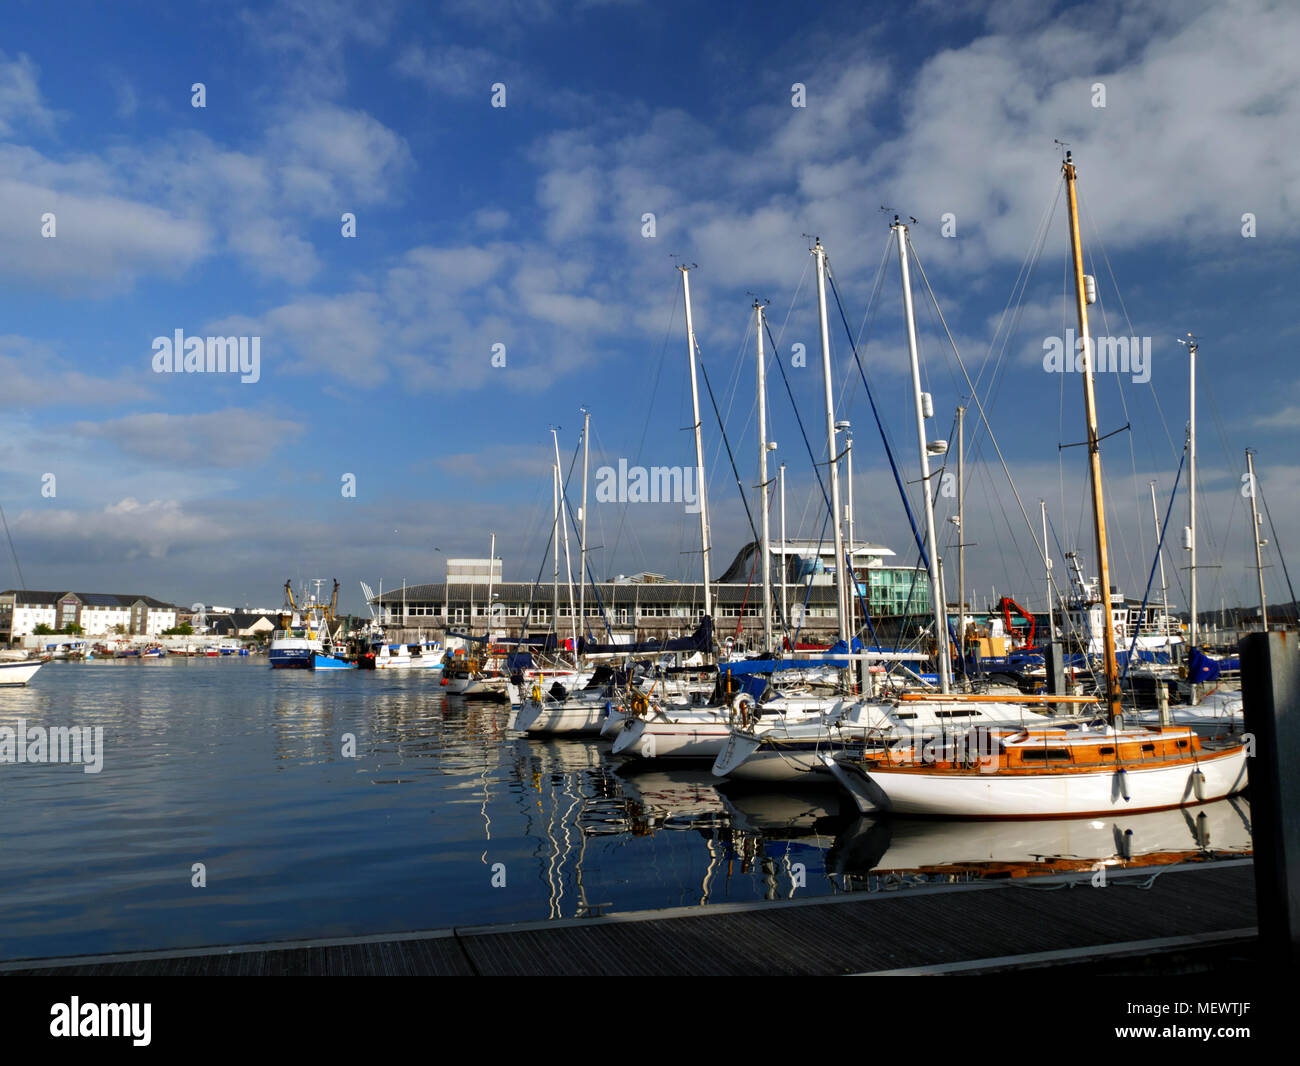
(1041, 754)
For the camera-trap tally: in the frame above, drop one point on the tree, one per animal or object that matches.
(72, 629)
(43, 630)
(182, 630)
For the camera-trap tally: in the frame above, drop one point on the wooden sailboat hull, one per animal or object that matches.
(1060, 794)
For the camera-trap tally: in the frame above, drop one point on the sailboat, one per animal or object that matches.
(699, 726)
(479, 674)
(791, 751)
(574, 701)
(1043, 773)
(18, 671)
(1212, 710)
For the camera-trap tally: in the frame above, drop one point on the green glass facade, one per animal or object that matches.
(895, 590)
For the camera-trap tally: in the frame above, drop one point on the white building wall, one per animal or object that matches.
(26, 619)
(96, 621)
(159, 620)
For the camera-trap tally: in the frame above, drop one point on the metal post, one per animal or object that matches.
(1270, 687)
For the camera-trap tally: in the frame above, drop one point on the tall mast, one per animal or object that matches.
(699, 441)
(840, 587)
(1094, 452)
(765, 549)
(1047, 570)
(938, 600)
(852, 594)
(1164, 587)
(555, 544)
(1191, 475)
(568, 564)
(961, 535)
(582, 551)
(492, 555)
(785, 598)
(1254, 525)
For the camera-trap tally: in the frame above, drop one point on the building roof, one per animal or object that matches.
(744, 563)
(610, 593)
(32, 597)
(824, 547)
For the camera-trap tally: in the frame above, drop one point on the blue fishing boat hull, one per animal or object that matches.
(329, 662)
(292, 658)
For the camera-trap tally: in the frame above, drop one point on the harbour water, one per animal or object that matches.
(440, 817)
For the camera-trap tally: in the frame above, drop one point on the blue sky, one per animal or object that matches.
(523, 225)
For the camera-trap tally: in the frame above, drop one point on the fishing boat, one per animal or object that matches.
(305, 640)
(416, 655)
(1046, 773)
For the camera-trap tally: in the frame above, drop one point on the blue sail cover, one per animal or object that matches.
(701, 640)
(1200, 667)
(769, 666)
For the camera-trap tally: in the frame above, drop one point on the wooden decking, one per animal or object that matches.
(1010, 924)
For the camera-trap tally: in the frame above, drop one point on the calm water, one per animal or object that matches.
(228, 763)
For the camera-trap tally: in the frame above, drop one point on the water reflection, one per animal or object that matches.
(359, 803)
(879, 851)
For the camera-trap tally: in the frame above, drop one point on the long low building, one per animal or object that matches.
(97, 613)
(648, 606)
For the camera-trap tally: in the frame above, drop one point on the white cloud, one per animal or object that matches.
(452, 69)
(21, 103)
(233, 438)
(126, 529)
(35, 375)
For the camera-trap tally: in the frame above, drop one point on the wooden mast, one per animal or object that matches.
(1094, 452)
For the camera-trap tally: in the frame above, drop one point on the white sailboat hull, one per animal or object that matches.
(19, 673)
(478, 686)
(966, 794)
(574, 717)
